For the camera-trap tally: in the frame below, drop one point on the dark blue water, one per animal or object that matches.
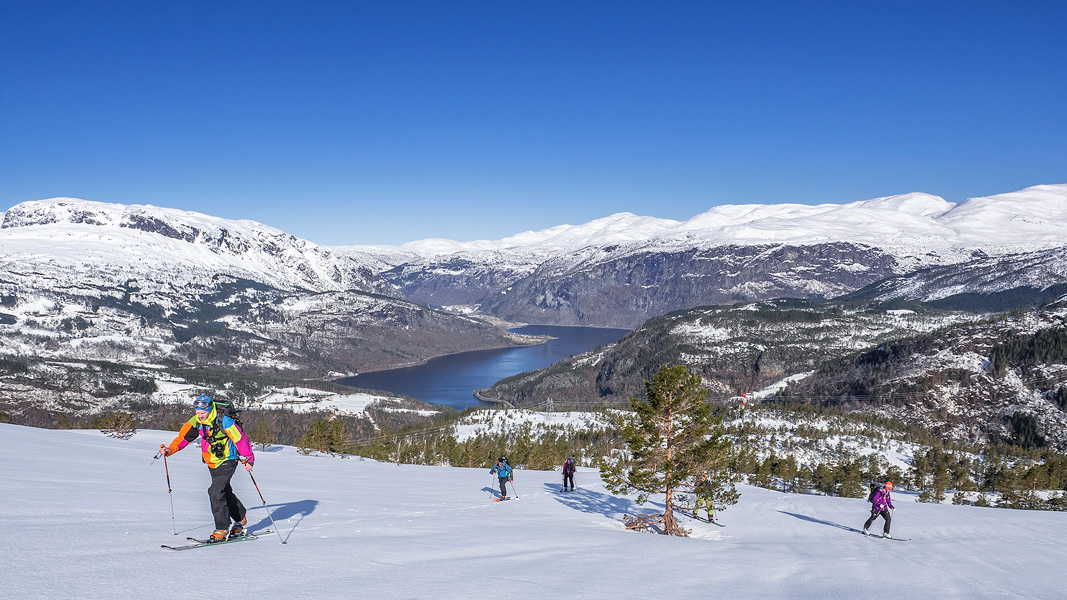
(451, 380)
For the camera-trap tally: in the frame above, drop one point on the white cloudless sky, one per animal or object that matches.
(386, 122)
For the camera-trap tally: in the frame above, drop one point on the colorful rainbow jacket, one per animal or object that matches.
(217, 447)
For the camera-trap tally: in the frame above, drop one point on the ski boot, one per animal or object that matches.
(867, 532)
(887, 536)
(238, 528)
(219, 535)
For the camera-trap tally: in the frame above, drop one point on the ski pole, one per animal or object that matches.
(265, 508)
(170, 494)
(514, 492)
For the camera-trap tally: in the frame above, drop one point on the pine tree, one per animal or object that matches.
(263, 438)
(119, 424)
(672, 439)
(339, 437)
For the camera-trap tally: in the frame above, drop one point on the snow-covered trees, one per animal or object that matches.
(672, 439)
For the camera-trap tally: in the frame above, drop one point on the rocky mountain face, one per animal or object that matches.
(458, 279)
(624, 287)
(999, 380)
(970, 378)
(736, 348)
(988, 283)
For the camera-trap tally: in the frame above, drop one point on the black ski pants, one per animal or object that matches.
(874, 515)
(568, 477)
(224, 504)
(503, 487)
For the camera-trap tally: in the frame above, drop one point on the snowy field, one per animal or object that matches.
(83, 516)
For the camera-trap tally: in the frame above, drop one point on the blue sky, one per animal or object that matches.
(383, 122)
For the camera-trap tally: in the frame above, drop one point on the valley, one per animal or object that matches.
(103, 306)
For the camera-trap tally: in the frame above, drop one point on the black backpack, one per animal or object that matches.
(873, 489)
(222, 408)
(227, 408)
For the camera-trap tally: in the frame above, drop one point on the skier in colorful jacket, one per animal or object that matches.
(504, 475)
(222, 444)
(881, 504)
(568, 474)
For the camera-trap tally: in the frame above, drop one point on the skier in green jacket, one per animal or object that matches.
(704, 493)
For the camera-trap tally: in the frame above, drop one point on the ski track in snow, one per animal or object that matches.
(83, 516)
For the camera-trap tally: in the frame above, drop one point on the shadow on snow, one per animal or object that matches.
(281, 512)
(592, 502)
(819, 521)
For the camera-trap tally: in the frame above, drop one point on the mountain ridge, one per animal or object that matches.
(81, 232)
(627, 268)
(940, 221)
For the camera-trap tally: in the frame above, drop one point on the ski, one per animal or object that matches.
(875, 535)
(198, 543)
(703, 520)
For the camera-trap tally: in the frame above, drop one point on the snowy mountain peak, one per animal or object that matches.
(915, 203)
(1031, 219)
(616, 228)
(78, 232)
(173, 223)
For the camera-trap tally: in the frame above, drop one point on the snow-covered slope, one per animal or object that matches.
(115, 242)
(910, 224)
(84, 515)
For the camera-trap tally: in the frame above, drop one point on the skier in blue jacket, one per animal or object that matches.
(504, 474)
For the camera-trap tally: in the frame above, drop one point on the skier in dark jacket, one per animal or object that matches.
(881, 504)
(568, 474)
(504, 474)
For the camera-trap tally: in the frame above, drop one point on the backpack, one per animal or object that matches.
(873, 489)
(222, 408)
(227, 408)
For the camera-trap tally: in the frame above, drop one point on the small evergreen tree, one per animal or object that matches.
(340, 437)
(317, 438)
(263, 438)
(672, 439)
(119, 424)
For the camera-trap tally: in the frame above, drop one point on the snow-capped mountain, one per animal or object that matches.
(623, 269)
(909, 224)
(146, 285)
(112, 243)
(915, 226)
